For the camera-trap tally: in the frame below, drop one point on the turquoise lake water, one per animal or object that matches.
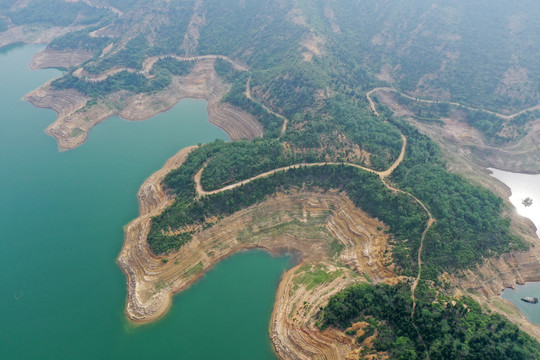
(62, 295)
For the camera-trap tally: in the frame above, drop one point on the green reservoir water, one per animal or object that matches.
(531, 311)
(62, 295)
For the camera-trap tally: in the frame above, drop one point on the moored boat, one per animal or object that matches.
(532, 300)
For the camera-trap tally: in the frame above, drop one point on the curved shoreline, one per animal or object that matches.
(76, 118)
(140, 265)
(138, 313)
(312, 221)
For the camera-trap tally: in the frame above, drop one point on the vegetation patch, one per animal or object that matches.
(312, 276)
(57, 13)
(196, 269)
(442, 327)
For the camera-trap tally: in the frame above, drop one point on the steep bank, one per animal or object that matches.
(76, 118)
(323, 228)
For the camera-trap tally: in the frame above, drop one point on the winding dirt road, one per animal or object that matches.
(285, 120)
(502, 116)
(382, 175)
(149, 63)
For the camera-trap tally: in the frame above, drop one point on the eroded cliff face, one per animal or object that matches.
(293, 328)
(324, 230)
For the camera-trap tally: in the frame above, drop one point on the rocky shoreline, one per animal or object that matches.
(152, 282)
(76, 118)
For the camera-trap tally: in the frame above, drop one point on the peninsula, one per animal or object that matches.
(361, 132)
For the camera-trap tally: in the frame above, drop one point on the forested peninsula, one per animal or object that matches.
(360, 132)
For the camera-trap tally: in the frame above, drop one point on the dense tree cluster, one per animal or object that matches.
(80, 40)
(131, 56)
(124, 80)
(469, 225)
(238, 161)
(174, 66)
(442, 327)
(57, 13)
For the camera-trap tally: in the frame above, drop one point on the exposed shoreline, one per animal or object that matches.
(153, 199)
(312, 220)
(506, 271)
(76, 119)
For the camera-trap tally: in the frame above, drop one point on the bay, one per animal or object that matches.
(532, 289)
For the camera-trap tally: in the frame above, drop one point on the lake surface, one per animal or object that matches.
(523, 186)
(62, 295)
(531, 311)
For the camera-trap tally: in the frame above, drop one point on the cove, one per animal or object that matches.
(62, 295)
(523, 186)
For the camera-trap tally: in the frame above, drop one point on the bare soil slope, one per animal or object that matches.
(321, 228)
(75, 119)
(59, 59)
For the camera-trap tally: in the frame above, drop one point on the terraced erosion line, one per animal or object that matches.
(343, 221)
(285, 120)
(76, 118)
(502, 116)
(382, 175)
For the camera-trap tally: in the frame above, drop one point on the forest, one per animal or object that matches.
(469, 225)
(57, 13)
(364, 189)
(468, 228)
(442, 327)
(161, 72)
(313, 62)
(80, 40)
